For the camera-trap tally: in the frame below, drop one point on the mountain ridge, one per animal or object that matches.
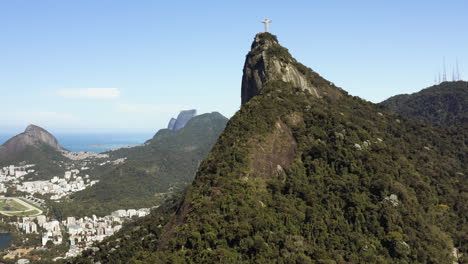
(442, 104)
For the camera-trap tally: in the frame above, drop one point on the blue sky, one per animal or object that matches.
(128, 66)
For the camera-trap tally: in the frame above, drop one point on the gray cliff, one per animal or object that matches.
(268, 61)
(171, 124)
(183, 118)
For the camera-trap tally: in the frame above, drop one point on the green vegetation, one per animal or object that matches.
(330, 206)
(45, 158)
(36, 256)
(165, 164)
(11, 205)
(300, 179)
(266, 37)
(279, 52)
(442, 104)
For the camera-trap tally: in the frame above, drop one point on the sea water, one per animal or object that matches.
(97, 142)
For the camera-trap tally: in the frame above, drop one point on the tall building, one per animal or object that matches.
(33, 227)
(71, 220)
(41, 220)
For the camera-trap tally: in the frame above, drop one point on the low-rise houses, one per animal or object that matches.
(56, 187)
(82, 155)
(82, 232)
(14, 173)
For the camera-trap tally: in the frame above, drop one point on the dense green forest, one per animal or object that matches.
(443, 104)
(46, 159)
(296, 178)
(163, 165)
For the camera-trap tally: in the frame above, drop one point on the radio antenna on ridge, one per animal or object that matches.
(444, 76)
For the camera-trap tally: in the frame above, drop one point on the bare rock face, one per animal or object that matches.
(183, 118)
(268, 61)
(38, 134)
(171, 124)
(33, 136)
(274, 153)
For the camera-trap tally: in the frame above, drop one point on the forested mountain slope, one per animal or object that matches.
(443, 104)
(304, 173)
(167, 162)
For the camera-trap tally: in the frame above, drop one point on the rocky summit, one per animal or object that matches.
(182, 119)
(34, 136)
(268, 61)
(171, 124)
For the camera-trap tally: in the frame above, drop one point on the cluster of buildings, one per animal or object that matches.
(50, 230)
(82, 232)
(85, 231)
(59, 187)
(84, 155)
(14, 174)
(114, 162)
(27, 226)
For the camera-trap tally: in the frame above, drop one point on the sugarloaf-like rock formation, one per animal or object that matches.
(33, 137)
(305, 173)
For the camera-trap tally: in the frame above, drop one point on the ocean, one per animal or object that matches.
(98, 142)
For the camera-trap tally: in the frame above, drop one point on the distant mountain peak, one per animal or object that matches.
(32, 127)
(171, 123)
(269, 61)
(33, 136)
(35, 131)
(182, 119)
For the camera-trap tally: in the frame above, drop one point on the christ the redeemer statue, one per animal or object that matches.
(266, 22)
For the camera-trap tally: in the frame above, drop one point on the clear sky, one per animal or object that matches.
(128, 66)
